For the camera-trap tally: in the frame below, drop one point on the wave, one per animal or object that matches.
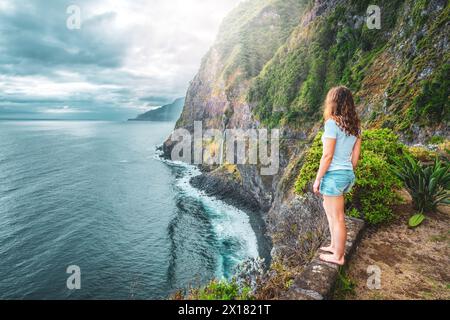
(230, 225)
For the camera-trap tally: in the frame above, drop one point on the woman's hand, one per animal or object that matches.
(316, 186)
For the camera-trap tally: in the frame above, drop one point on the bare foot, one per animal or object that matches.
(332, 259)
(328, 249)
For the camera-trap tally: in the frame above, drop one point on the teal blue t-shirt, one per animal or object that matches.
(342, 159)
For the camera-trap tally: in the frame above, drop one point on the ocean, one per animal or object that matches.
(96, 195)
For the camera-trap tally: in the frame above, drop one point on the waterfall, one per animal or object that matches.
(222, 144)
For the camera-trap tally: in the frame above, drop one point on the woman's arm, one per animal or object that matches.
(356, 152)
(327, 157)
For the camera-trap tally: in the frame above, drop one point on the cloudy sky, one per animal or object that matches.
(128, 56)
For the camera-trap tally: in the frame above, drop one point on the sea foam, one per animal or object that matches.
(228, 222)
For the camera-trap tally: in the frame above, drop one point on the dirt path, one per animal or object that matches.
(414, 263)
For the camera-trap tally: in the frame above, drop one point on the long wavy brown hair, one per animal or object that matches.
(340, 107)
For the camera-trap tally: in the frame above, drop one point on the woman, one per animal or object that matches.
(341, 149)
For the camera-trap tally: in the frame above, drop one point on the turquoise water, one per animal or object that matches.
(95, 195)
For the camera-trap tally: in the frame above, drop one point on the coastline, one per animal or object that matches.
(232, 193)
(211, 190)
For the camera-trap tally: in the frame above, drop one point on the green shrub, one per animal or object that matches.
(373, 194)
(422, 154)
(221, 290)
(383, 142)
(310, 165)
(428, 185)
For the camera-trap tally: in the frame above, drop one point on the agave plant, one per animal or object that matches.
(428, 185)
(416, 220)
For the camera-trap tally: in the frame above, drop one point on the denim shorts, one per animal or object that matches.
(337, 182)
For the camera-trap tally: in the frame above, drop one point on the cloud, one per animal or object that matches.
(127, 56)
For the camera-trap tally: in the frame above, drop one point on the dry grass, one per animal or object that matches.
(276, 282)
(414, 262)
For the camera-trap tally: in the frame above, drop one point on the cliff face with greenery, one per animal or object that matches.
(248, 39)
(272, 65)
(399, 74)
(273, 62)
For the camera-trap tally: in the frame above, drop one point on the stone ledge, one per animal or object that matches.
(318, 279)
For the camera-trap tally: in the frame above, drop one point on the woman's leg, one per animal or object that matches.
(327, 209)
(336, 205)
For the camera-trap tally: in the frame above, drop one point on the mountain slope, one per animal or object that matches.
(169, 112)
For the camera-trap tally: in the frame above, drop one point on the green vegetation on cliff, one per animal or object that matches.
(396, 70)
(252, 33)
(431, 105)
(374, 192)
(217, 290)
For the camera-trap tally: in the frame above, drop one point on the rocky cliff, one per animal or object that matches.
(272, 64)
